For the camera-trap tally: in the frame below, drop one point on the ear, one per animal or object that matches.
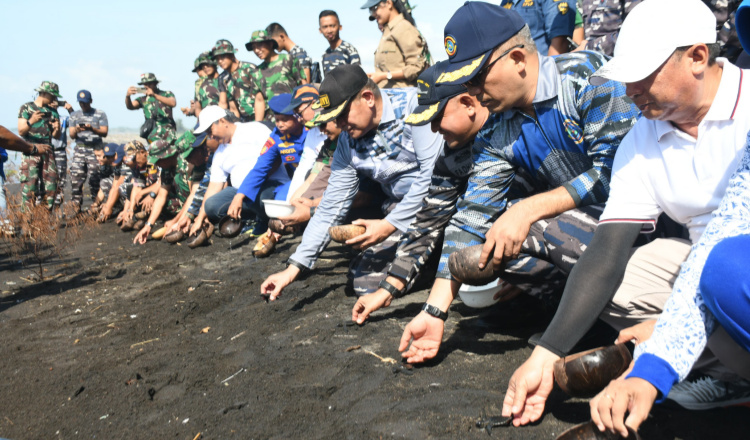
(519, 58)
(698, 56)
(468, 103)
(369, 98)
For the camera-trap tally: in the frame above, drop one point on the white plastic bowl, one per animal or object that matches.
(278, 208)
(479, 297)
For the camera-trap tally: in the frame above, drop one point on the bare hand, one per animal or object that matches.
(235, 208)
(529, 388)
(35, 117)
(425, 333)
(635, 396)
(376, 77)
(184, 224)
(169, 225)
(146, 203)
(69, 107)
(142, 235)
(131, 91)
(581, 46)
(42, 149)
(149, 92)
(105, 213)
(301, 212)
(55, 124)
(367, 304)
(376, 231)
(637, 333)
(195, 229)
(275, 284)
(505, 236)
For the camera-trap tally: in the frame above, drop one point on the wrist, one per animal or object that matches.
(435, 311)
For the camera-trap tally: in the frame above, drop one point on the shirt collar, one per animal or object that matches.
(388, 114)
(546, 83)
(394, 21)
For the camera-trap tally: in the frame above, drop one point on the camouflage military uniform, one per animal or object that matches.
(300, 55)
(178, 179)
(209, 91)
(84, 163)
(344, 54)
(110, 174)
(281, 76)
(162, 115)
(33, 167)
(244, 84)
(602, 20)
(724, 11)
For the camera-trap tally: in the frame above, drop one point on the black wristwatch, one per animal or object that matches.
(149, 224)
(397, 293)
(434, 311)
(152, 195)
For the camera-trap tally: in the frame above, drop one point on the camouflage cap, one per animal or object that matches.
(223, 47)
(203, 58)
(133, 147)
(49, 87)
(259, 37)
(148, 78)
(161, 149)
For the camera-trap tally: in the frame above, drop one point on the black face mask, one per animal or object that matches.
(105, 170)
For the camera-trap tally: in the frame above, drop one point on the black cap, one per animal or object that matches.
(471, 35)
(432, 98)
(338, 88)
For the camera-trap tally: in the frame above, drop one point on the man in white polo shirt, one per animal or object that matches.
(677, 159)
(240, 146)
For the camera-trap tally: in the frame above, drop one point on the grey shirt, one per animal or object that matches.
(96, 118)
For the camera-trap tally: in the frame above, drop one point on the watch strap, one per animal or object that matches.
(397, 293)
(434, 311)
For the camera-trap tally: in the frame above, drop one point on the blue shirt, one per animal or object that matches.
(279, 150)
(547, 19)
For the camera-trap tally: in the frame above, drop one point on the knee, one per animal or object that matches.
(724, 276)
(212, 206)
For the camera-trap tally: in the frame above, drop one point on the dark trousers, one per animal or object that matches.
(217, 205)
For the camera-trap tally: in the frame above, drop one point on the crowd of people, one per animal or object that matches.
(597, 154)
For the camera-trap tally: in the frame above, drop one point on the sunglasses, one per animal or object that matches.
(301, 109)
(479, 78)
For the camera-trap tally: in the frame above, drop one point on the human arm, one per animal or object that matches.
(605, 37)
(132, 104)
(411, 45)
(10, 141)
(559, 22)
(159, 202)
(167, 98)
(259, 106)
(112, 197)
(212, 189)
(313, 143)
(558, 45)
(222, 102)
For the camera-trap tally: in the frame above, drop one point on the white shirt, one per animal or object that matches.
(313, 144)
(237, 158)
(659, 168)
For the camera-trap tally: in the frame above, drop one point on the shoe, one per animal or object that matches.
(705, 392)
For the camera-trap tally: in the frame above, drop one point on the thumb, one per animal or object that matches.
(365, 314)
(405, 339)
(519, 400)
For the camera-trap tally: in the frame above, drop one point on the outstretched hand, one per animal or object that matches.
(425, 332)
(529, 387)
(375, 232)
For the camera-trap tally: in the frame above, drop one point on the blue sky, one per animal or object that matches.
(103, 46)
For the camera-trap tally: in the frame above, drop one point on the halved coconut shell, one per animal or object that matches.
(197, 240)
(127, 225)
(265, 245)
(341, 233)
(174, 236)
(587, 373)
(141, 215)
(159, 234)
(589, 431)
(230, 227)
(464, 266)
(139, 224)
(278, 227)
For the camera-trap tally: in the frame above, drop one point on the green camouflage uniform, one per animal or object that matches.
(33, 167)
(177, 180)
(245, 83)
(209, 91)
(281, 76)
(162, 114)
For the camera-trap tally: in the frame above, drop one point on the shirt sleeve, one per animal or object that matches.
(353, 57)
(683, 328)
(420, 241)
(559, 18)
(606, 43)
(606, 116)
(426, 147)
(410, 42)
(337, 199)
(103, 122)
(482, 203)
(269, 156)
(306, 162)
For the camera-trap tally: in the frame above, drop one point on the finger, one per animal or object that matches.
(357, 239)
(519, 399)
(497, 257)
(619, 408)
(484, 257)
(516, 250)
(594, 409)
(605, 408)
(638, 413)
(357, 309)
(405, 340)
(365, 313)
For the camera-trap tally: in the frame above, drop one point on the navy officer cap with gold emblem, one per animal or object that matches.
(432, 98)
(471, 35)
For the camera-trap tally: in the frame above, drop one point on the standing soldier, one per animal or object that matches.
(60, 147)
(157, 107)
(38, 125)
(280, 71)
(339, 52)
(245, 85)
(298, 54)
(211, 90)
(87, 126)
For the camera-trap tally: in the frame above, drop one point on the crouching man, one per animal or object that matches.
(377, 144)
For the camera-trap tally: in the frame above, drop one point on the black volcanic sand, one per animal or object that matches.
(160, 341)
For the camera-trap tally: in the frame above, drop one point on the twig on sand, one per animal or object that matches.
(237, 335)
(144, 342)
(9, 420)
(197, 436)
(211, 281)
(387, 360)
(232, 376)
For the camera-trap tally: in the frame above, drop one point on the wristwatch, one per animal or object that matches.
(152, 195)
(397, 293)
(389, 76)
(434, 311)
(150, 225)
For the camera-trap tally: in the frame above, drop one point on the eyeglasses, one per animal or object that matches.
(479, 78)
(301, 109)
(375, 8)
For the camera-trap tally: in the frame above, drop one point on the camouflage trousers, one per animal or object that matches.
(84, 165)
(162, 132)
(126, 189)
(61, 161)
(173, 204)
(550, 250)
(34, 168)
(105, 185)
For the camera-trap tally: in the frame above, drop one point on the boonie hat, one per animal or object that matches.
(259, 37)
(203, 58)
(161, 149)
(84, 96)
(639, 53)
(208, 116)
(742, 23)
(300, 95)
(474, 31)
(133, 147)
(280, 103)
(148, 78)
(49, 87)
(338, 88)
(223, 47)
(432, 98)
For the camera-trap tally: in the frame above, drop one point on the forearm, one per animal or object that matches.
(443, 293)
(171, 101)
(101, 131)
(114, 192)
(129, 104)
(545, 205)
(558, 45)
(161, 200)
(12, 142)
(260, 107)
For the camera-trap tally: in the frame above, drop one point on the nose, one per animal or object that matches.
(435, 125)
(633, 90)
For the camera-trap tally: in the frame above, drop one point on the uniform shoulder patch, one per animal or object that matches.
(562, 7)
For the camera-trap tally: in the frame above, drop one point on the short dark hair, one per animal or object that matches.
(714, 49)
(275, 29)
(372, 87)
(328, 13)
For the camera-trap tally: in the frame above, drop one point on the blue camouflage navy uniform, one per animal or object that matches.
(602, 20)
(547, 19)
(571, 144)
(397, 156)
